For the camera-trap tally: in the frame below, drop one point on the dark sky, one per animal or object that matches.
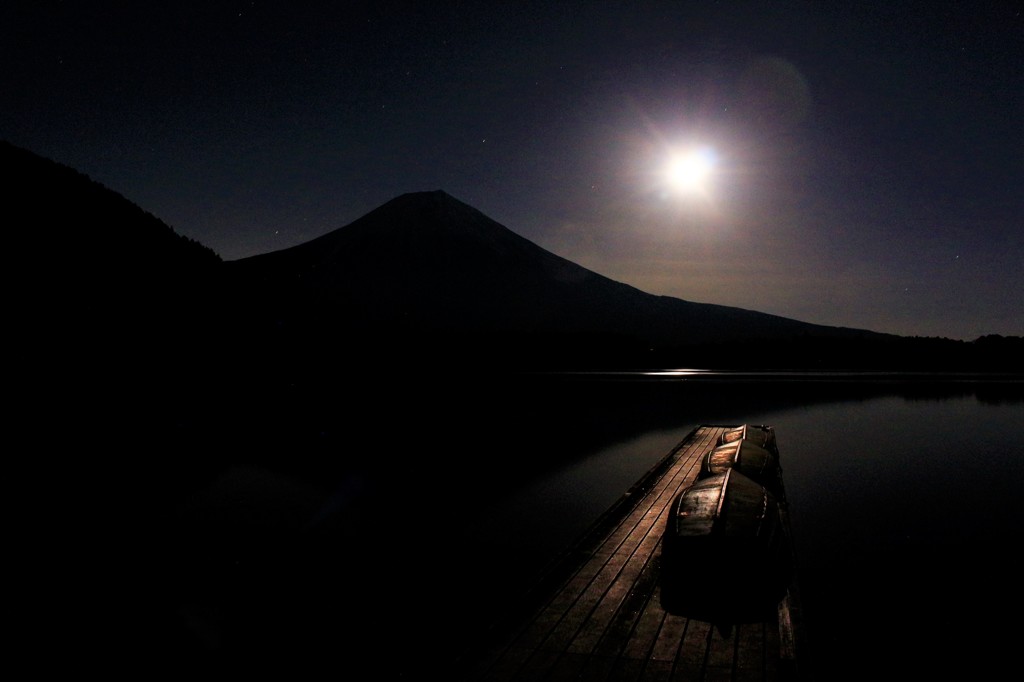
(868, 157)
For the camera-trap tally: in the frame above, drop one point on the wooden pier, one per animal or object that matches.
(597, 614)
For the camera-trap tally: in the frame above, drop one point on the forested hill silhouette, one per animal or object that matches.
(80, 224)
(90, 262)
(114, 313)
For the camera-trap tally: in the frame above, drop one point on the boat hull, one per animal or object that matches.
(725, 553)
(754, 461)
(760, 434)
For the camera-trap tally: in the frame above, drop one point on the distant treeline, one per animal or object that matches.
(581, 352)
(992, 353)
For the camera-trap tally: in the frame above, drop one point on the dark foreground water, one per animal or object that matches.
(907, 513)
(906, 499)
(376, 530)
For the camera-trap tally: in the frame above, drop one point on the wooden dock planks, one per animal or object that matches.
(599, 616)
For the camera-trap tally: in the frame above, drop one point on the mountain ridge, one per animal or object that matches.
(427, 261)
(424, 273)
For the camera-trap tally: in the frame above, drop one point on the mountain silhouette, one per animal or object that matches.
(428, 266)
(424, 278)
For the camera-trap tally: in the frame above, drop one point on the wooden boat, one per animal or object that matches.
(760, 434)
(725, 554)
(750, 459)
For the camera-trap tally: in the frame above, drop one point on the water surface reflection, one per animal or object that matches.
(904, 498)
(428, 507)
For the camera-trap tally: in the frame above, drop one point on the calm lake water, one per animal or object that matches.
(906, 502)
(395, 522)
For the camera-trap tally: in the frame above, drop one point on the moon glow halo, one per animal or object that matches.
(690, 171)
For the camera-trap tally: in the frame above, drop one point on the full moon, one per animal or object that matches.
(689, 171)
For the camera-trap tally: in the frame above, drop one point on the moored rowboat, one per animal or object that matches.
(761, 434)
(750, 459)
(725, 553)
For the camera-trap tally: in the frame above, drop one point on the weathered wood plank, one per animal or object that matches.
(750, 652)
(721, 652)
(670, 637)
(693, 652)
(616, 636)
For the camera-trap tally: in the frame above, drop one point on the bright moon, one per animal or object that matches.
(689, 171)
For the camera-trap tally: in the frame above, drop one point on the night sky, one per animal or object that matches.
(865, 160)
